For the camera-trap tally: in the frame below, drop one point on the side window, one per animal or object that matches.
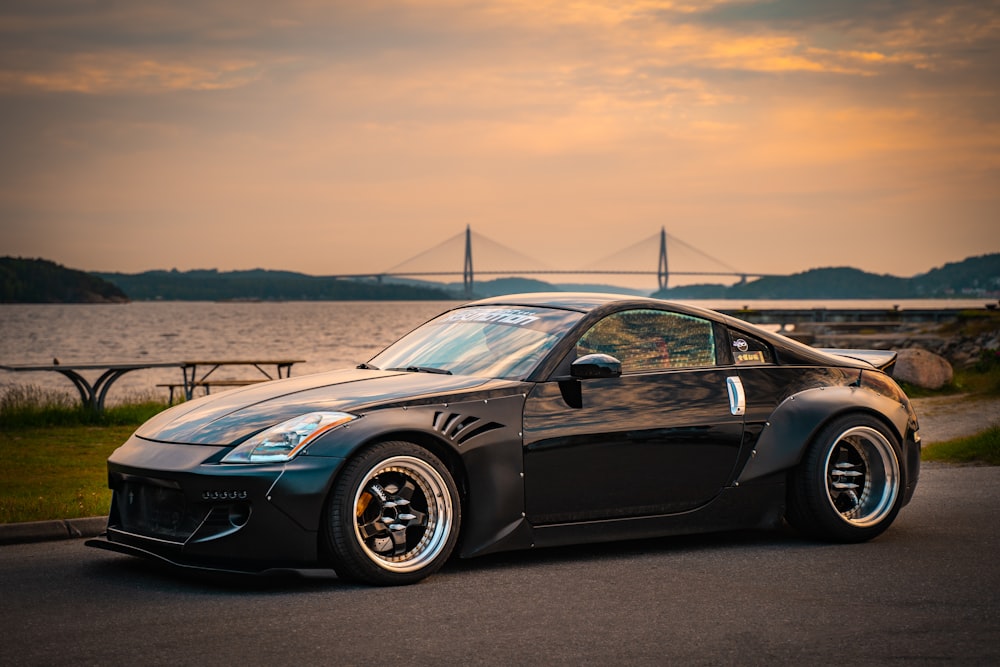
(750, 350)
(647, 340)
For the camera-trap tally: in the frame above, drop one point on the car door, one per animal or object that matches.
(662, 438)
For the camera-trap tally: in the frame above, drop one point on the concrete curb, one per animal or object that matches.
(44, 531)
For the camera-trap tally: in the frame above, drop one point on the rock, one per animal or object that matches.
(922, 368)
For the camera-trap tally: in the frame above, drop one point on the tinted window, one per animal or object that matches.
(645, 340)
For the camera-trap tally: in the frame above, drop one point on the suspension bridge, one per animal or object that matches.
(624, 262)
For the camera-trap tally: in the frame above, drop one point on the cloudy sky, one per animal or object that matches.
(331, 137)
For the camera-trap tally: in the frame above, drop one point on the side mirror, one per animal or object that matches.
(596, 366)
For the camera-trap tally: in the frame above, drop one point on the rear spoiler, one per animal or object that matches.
(883, 360)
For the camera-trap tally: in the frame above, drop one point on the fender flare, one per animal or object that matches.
(485, 457)
(794, 424)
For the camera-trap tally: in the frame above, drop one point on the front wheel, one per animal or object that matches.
(847, 488)
(393, 516)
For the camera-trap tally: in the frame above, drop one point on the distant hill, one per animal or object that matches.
(260, 284)
(42, 281)
(597, 287)
(501, 286)
(827, 283)
(972, 277)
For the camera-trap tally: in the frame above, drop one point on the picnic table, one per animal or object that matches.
(192, 379)
(93, 394)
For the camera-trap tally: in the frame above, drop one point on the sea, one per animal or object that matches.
(325, 335)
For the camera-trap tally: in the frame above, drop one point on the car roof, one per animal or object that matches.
(586, 302)
(581, 301)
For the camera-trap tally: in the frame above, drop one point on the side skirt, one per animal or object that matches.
(760, 505)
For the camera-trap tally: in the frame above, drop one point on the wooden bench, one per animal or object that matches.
(207, 384)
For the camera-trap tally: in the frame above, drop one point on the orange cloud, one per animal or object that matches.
(407, 120)
(106, 73)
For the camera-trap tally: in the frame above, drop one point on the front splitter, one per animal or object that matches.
(117, 547)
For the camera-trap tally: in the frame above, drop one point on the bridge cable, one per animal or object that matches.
(615, 255)
(704, 254)
(478, 238)
(450, 239)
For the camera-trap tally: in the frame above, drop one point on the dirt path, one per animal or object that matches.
(946, 417)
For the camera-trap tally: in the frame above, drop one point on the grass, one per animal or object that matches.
(28, 405)
(56, 472)
(982, 448)
(55, 453)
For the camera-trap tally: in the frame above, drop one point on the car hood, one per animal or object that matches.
(228, 418)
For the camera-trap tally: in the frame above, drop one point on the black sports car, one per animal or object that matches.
(515, 422)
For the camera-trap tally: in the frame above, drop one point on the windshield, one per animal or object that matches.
(491, 341)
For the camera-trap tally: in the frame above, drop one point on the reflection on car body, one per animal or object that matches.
(516, 422)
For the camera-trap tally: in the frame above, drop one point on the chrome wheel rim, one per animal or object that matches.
(862, 476)
(403, 514)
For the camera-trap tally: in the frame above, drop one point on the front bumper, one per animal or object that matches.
(177, 504)
(912, 447)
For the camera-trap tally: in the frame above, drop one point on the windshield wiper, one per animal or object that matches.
(422, 369)
(365, 366)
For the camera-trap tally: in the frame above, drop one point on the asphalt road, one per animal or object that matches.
(926, 592)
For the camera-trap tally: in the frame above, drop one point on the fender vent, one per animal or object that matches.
(461, 428)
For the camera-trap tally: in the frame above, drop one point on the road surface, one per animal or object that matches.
(926, 592)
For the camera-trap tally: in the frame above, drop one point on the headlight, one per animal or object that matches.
(282, 442)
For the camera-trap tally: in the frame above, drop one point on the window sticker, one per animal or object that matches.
(511, 316)
(749, 350)
(750, 357)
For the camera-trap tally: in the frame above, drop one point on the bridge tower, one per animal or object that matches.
(662, 275)
(467, 276)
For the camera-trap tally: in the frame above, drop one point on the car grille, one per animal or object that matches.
(157, 511)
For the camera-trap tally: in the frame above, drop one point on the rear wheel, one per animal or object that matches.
(847, 488)
(393, 516)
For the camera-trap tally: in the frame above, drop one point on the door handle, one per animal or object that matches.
(737, 397)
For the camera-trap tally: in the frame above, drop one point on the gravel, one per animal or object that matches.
(946, 417)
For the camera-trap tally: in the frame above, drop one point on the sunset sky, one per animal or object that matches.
(333, 137)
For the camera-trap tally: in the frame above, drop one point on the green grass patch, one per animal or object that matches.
(983, 448)
(56, 472)
(55, 453)
(28, 405)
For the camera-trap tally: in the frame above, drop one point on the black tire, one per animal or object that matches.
(848, 487)
(393, 516)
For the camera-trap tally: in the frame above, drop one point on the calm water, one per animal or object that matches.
(326, 334)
